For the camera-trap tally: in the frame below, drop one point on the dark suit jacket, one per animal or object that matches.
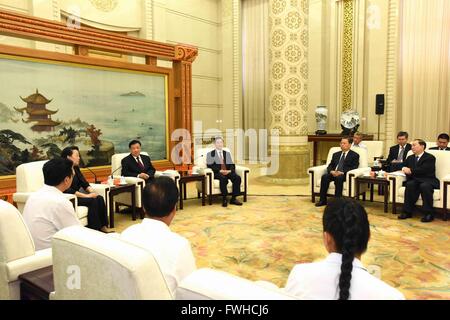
(351, 161)
(393, 153)
(424, 170)
(213, 161)
(79, 182)
(130, 167)
(437, 148)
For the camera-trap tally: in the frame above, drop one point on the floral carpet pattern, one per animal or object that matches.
(268, 235)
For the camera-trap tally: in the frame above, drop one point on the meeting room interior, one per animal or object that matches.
(224, 150)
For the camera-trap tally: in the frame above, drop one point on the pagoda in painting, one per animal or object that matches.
(38, 112)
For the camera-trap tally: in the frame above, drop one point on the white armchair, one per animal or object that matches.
(316, 173)
(375, 149)
(116, 162)
(431, 144)
(103, 267)
(213, 185)
(17, 252)
(30, 178)
(441, 196)
(209, 284)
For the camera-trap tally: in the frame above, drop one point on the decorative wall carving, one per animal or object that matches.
(16, 24)
(104, 5)
(288, 66)
(112, 15)
(185, 53)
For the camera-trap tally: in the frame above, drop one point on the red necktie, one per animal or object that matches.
(222, 164)
(140, 164)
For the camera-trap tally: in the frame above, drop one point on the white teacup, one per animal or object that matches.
(111, 181)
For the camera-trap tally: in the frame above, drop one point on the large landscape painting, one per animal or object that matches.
(45, 107)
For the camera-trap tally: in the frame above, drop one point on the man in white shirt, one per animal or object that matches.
(172, 251)
(48, 210)
(341, 275)
(357, 141)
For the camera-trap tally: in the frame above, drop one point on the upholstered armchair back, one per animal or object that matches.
(29, 176)
(88, 264)
(15, 239)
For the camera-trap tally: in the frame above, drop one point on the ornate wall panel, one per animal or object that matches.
(288, 57)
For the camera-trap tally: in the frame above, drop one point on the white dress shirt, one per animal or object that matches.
(400, 148)
(46, 212)
(172, 251)
(320, 281)
(361, 145)
(343, 154)
(419, 156)
(138, 158)
(220, 154)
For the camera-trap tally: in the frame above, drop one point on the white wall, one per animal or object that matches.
(196, 22)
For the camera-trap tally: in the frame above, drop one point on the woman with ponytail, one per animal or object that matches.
(341, 275)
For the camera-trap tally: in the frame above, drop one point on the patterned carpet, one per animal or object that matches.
(266, 237)
(263, 239)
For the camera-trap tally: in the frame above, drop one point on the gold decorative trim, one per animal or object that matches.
(237, 70)
(347, 55)
(392, 63)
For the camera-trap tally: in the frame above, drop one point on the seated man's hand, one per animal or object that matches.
(406, 170)
(225, 172)
(336, 173)
(92, 195)
(143, 176)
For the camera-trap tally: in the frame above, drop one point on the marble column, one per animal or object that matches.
(288, 60)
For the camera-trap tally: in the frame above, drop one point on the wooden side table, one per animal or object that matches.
(37, 285)
(191, 178)
(115, 190)
(381, 182)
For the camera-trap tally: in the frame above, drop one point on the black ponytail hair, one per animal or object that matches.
(346, 221)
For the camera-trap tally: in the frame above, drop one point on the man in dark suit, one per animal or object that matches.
(420, 171)
(224, 170)
(442, 142)
(397, 153)
(137, 164)
(342, 162)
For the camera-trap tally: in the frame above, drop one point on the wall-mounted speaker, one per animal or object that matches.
(379, 104)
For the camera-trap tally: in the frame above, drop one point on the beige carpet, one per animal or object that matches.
(263, 239)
